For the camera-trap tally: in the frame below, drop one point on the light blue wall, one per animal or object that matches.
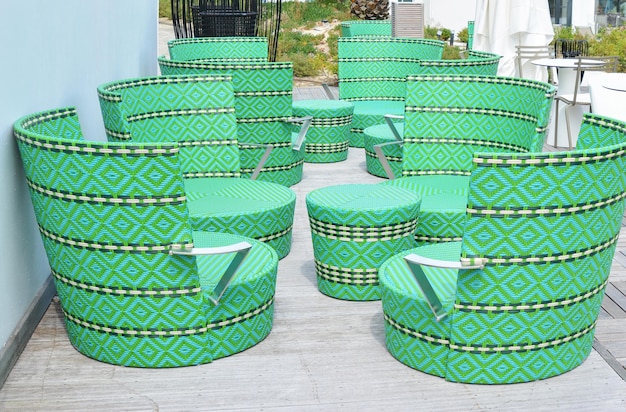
(54, 54)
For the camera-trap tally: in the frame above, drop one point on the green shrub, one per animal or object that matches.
(610, 42)
(165, 9)
(463, 35)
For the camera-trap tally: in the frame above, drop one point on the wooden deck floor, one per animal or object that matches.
(323, 354)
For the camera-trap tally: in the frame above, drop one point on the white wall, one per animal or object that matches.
(451, 14)
(448, 14)
(54, 54)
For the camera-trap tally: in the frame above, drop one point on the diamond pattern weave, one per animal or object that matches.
(546, 225)
(252, 49)
(263, 99)
(197, 111)
(109, 214)
(447, 119)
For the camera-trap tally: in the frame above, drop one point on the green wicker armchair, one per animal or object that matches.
(517, 300)
(136, 285)
(372, 74)
(198, 112)
(477, 63)
(263, 99)
(216, 49)
(447, 119)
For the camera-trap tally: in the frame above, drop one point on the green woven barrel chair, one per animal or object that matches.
(263, 99)
(476, 63)
(136, 285)
(518, 299)
(372, 74)
(354, 28)
(449, 118)
(216, 49)
(198, 112)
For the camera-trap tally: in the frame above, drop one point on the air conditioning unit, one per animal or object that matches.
(407, 20)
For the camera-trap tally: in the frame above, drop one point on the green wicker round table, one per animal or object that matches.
(328, 138)
(380, 134)
(354, 229)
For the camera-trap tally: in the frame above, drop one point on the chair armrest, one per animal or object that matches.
(415, 263)
(240, 249)
(378, 149)
(389, 118)
(305, 121)
(266, 155)
(329, 93)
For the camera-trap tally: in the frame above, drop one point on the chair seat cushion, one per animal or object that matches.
(371, 113)
(413, 336)
(444, 201)
(259, 210)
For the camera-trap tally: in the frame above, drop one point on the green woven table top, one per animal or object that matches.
(322, 108)
(217, 196)
(383, 132)
(367, 202)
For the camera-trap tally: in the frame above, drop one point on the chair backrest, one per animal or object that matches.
(354, 28)
(548, 241)
(216, 49)
(568, 48)
(196, 111)
(588, 67)
(477, 63)
(612, 63)
(448, 118)
(375, 68)
(263, 100)
(470, 34)
(525, 54)
(108, 214)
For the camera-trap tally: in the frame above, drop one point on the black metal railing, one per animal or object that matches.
(221, 18)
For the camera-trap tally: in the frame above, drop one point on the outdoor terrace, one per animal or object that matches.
(322, 354)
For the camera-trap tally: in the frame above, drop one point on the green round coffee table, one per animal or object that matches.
(328, 138)
(354, 229)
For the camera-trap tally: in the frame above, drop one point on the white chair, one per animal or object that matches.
(578, 97)
(526, 54)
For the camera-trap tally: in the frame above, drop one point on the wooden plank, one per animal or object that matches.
(612, 308)
(616, 296)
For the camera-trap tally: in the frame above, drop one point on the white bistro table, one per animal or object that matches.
(608, 95)
(566, 69)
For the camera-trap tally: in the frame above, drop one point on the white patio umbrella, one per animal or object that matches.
(500, 25)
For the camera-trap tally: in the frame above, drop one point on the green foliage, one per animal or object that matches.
(165, 9)
(463, 35)
(430, 32)
(610, 42)
(296, 14)
(306, 51)
(451, 53)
